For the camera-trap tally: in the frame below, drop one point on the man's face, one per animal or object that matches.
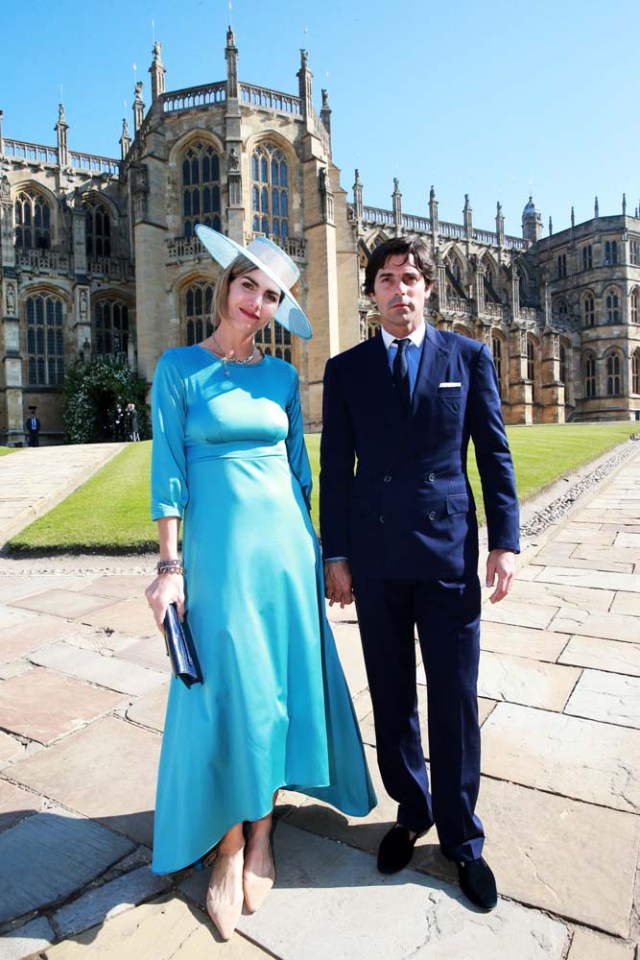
(400, 293)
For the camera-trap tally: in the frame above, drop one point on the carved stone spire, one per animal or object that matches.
(596, 209)
(61, 128)
(500, 224)
(325, 113)
(396, 199)
(357, 196)
(157, 71)
(304, 85)
(467, 214)
(138, 107)
(231, 56)
(125, 139)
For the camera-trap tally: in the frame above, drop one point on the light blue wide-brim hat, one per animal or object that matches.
(273, 261)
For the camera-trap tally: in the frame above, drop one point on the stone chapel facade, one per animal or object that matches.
(98, 257)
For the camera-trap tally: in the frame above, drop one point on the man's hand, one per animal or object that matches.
(338, 582)
(500, 563)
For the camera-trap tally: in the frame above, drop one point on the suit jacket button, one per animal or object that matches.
(381, 518)
(431, 477)
(388, 479)
(432, 515)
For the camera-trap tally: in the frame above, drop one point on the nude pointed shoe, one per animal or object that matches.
(225, 912)
(257, 888)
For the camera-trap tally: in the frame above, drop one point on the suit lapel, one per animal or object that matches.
(431, 371)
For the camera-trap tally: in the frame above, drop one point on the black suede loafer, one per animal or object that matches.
(396, 849)
(477, 882)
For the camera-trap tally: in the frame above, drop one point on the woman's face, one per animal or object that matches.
(252, 301)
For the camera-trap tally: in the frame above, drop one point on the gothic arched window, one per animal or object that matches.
(98, 229)
(111, 328)
(45, 341)
(270, 191)
(563, 363)
(613, 307)
(198, 307)
(32, 221)
(614, 385)
(590, 374)
(496, 351)
(275, 340)
(635, 304)
(589, 310)
(635, 371)
(200, 188)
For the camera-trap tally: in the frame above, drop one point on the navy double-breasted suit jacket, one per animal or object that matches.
(394, 494)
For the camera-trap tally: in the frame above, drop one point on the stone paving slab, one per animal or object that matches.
(561, 595)
(608, 655)
(536, 615)
(166, 929)
(349, 646)
(108, 671)
(578, 533)
(611, 626)
(589, 761)
(107, 772)
(149, 652)
(626, 603)
(16, 804)
(19, 639)
(131, 616)
(522, 641)
(589, 945)
(150, 709)
(43, 706)
(26, 940)
(574, 859)
(11, 588)
(107, 901)
(529, 682)
(629, 540)
(57, 853)
(567, 555)
(327, 896)
(593, 579)
(10, 747)
(59, 602)
(122, 586)
(607, 697)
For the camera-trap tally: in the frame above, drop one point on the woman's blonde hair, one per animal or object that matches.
(237, 268)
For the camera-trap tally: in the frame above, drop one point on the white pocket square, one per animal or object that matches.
(449, 384)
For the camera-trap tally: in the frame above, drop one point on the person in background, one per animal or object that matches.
(133, 428)
(273, 710)
(32, 428)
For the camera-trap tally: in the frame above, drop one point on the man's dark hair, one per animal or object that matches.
(400, 246)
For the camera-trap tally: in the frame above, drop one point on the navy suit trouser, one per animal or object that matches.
(447, 616)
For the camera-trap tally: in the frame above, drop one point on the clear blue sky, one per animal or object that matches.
(496, 100)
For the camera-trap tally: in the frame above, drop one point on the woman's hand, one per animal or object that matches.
(166, 588)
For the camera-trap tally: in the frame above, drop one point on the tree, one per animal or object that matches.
(92, 391)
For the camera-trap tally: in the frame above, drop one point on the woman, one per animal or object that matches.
(273, 709)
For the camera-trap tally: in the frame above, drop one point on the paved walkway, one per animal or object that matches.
(83, 680)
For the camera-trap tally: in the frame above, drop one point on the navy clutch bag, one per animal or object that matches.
(180, 648)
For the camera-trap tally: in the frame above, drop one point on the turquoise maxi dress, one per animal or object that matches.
(274, 709)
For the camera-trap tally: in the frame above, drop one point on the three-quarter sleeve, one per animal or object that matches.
(296, 449)
(169, 490)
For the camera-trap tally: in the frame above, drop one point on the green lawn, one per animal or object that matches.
(5, 450)
(110, 513)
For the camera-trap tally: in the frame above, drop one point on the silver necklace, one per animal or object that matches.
(227, 358)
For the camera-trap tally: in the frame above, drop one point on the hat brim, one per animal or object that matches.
(225, 250)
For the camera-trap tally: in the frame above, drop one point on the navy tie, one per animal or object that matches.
(401, 374)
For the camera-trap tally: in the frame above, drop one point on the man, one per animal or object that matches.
(32, 427)
(132, 422)
(400, 536)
